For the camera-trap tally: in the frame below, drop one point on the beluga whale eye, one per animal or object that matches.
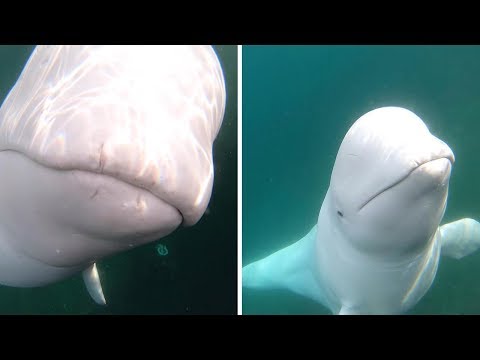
(339, 213)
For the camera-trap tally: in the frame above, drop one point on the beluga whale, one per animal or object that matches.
(103, 149)
(377, 243)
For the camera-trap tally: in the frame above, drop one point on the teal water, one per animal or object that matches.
(298, 103)
(198, 271)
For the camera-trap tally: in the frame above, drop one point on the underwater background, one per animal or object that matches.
(191, 271)
(299, 102)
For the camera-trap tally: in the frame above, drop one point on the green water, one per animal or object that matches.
(298, 103)
(198, 276)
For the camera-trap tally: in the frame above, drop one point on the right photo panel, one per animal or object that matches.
(360, 179)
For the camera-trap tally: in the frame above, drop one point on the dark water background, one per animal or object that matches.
(198, 276)
(298, 103)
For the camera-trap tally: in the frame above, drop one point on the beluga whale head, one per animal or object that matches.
(389, 184)
(102, 149)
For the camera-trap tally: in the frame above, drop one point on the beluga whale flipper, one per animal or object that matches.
(376, 246)
(103, 149)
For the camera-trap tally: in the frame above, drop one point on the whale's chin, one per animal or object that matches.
(77, 216)
(117, 210)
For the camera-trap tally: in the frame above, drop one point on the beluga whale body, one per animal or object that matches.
(103, 149)
(377, 243)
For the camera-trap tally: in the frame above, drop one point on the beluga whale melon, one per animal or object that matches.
(103, 149)
(377, 243)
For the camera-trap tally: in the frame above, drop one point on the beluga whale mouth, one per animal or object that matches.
(438, 167)
(103, 148)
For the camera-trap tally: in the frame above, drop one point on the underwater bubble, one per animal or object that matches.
(162, 250)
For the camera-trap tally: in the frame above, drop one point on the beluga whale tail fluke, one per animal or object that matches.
(376, 246)
(103, 149)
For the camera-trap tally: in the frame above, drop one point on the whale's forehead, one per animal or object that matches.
(380, 148)
(147, 115)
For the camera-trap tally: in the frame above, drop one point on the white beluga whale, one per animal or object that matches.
(103, 149)
(377, 243)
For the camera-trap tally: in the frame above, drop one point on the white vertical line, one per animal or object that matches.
(239, 190)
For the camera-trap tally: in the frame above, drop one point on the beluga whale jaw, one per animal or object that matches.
(376, 246)
(103, 148)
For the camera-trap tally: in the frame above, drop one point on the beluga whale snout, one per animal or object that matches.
(376, 246)
(103, 149)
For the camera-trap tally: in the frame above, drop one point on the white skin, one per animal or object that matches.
(376, 245)
(102, 149)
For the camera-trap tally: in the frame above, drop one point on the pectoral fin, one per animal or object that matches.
(460, 238)
(289, 268)
(92, 282)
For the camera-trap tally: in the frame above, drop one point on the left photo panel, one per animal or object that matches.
(119, 179)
